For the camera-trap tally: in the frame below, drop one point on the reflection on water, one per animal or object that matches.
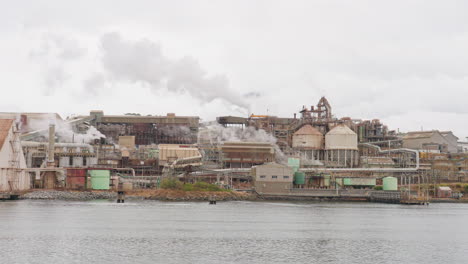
(231, 232)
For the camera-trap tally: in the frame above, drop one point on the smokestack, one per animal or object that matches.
(294, 115)
(51, 144)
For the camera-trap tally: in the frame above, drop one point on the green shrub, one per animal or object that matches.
(203, 187)
(465, 189)
(175, 184)
(171, 183)
(188, 187)
(379, 188)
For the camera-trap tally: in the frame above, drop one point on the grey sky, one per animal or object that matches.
(405, 62)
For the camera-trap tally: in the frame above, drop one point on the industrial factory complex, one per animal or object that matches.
(310, 154)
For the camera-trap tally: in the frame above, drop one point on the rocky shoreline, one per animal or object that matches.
(68, 195)
(162, 195)
(177, 195)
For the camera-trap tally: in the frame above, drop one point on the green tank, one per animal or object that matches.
(326, 180)
(390, 184)
(299, 177)
(294, 163)
(100, 179)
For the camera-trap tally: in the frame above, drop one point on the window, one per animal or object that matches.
(285, 177)
(262, 176)
(274, 177)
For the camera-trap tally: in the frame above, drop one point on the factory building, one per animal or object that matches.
(13, 176)
(427, 141)
(272, 178)
(147, 130)
(452, 141)
(65, 154)
(169, 153)
(463, 146)
(246, 154)
(319, 117)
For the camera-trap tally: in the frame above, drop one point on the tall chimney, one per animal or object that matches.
(51, 144)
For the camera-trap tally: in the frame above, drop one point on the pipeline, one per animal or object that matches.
(395, 150)
(66, 145)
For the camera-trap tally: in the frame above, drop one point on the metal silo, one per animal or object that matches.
(308, 141)
(307, 137)
(341, 147)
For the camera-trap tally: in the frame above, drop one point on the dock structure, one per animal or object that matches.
(385, 197)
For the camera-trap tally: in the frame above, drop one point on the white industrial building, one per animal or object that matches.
(13, 174)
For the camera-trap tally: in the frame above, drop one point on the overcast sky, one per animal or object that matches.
(404, 62)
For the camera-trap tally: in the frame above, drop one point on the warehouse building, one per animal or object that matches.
(272, 178)
(427, 141)
(147, 130)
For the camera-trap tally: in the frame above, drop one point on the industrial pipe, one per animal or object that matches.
(51, 152)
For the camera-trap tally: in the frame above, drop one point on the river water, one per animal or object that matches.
(231, 232)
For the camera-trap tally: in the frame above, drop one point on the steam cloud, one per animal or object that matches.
(217, 134)
(64, 131)
(143, 61)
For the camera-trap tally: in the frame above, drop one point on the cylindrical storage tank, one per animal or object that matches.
(64, 162)
(91, 161)
(99, 179)
(341, 137)
(294, 163)
(326, 180)
(390, 184)
(77, 161)
(307, 137)
(299, 177)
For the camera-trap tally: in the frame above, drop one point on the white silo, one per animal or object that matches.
(341, 147)
(308, 141)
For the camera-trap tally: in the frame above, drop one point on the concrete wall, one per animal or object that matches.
(273, 187)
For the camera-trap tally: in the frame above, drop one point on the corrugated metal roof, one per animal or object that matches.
(5, 126)
(420, 134)
(308, 130)
(444, 188)
(341, 130)
(448, 133)
(13, 115)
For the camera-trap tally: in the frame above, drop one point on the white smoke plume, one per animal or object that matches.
(144, 62)
(64, 131)
(217, 134)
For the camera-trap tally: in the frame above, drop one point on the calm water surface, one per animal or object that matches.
(231, 232)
